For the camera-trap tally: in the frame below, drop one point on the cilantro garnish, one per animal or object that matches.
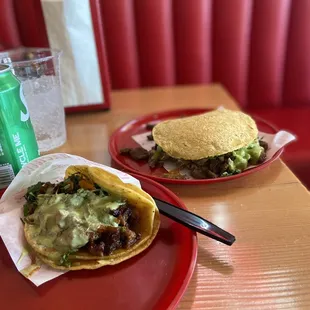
(64, 260)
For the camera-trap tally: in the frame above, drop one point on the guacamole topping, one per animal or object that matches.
(242, 157)
(64, 221)
(205, 168)
(78, 214)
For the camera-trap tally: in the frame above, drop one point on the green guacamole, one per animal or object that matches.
(242, 157)
(64, 221)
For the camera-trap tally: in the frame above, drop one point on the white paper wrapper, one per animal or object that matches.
(275, 142)
(47, 168)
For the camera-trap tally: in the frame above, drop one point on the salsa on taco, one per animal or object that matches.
(88, 220)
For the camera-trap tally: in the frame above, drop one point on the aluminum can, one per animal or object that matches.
(18, 144)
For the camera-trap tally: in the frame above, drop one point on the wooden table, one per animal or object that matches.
(269, 212)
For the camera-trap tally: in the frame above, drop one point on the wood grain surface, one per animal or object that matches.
(268, 212)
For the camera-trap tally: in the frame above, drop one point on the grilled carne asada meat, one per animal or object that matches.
(199, 169)
(107, 238)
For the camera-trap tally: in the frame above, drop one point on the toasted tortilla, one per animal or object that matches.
(147, 226)
(207, 135)
(79, 262)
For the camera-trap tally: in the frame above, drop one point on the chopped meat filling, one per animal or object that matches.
(108, 239)
(150, 137)
(264, 145)
(149, 126)
(137, 153)
(205, 168)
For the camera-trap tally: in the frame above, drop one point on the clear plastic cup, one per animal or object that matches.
(39, 73)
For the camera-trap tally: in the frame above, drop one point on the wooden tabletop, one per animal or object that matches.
(269, 212)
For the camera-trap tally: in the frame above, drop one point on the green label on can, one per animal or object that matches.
(18, 144)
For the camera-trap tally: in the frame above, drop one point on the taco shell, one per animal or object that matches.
(147, 226)
(206, 135)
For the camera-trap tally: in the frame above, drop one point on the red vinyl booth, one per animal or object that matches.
(258, 49)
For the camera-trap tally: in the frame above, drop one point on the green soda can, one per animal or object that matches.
(18, 144)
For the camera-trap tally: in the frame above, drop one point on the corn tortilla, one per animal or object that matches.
(91, 262)
(147, 226)
(207, 135)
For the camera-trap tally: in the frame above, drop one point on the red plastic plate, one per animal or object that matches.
(122, 138)
(155, 279)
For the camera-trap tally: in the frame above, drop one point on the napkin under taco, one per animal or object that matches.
(209, 145)
(89, 220)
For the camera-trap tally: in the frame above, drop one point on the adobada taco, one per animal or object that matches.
(89, 220)
(209, 145)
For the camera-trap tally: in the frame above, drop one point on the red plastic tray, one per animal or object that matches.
(155, 279)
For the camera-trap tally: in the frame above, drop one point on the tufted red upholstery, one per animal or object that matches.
(123, 65)
(270, 25)
(192, 52)
(30, 22)
(9, 34)
(296, 80)
(258, 49)
(22, 23)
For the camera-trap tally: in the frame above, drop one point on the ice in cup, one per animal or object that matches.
(39, 73)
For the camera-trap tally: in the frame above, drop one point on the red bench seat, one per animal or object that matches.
(297, 121)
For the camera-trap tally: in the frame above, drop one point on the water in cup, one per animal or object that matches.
(47, 115)
(39, 73)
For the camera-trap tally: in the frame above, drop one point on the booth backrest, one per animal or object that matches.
(258, 49)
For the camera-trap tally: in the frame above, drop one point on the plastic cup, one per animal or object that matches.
(39, 73)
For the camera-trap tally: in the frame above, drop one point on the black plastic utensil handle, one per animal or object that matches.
(194, 222)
